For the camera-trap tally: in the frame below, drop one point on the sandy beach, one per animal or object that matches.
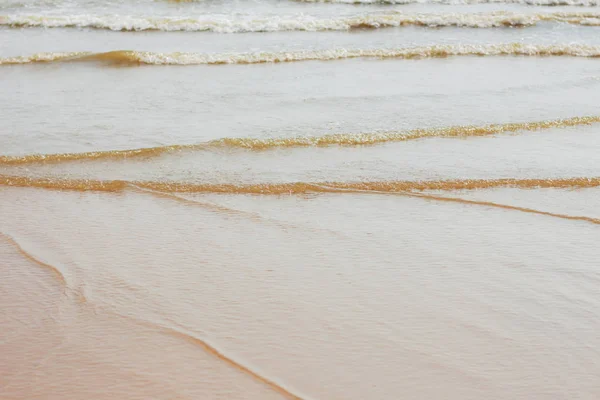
(299, 199)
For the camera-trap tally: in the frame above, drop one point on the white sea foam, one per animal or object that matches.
(126, 57)
(224, 24)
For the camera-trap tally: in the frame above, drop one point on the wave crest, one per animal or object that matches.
(223, 24)
(128, 57)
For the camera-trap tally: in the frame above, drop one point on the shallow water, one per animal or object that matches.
(401, 212)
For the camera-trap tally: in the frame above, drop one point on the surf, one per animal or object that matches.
(132, 58)
(223, 24)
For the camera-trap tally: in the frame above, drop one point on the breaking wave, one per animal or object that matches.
(224, 24)
(363, 139)
(128, 57)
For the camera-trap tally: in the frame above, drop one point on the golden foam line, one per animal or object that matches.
(80, 185)
(95, 155)
(361, 139)
(56, 271)
(133, 58)
(83, 185)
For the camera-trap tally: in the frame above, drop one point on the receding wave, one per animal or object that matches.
(406, 188)
(361, 139)
(211, 349)
(55, 270)
(231, 211)
(127, 57)
(504, 206)
(549, 3)
(296, 187)
(176, 330)
(297, 23)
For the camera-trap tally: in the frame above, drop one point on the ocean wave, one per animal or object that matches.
(298, 23)
(298, 187)
(252, 144)
(128, 57)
